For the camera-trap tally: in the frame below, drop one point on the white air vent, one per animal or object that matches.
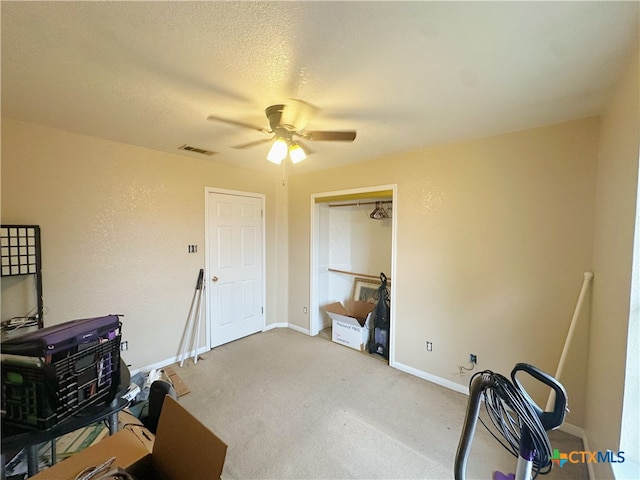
(201, 151)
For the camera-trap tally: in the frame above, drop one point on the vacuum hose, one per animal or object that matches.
(478, 383)
(514, 414)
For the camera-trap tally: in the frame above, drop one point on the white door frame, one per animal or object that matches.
(207, 191)
(314, 317)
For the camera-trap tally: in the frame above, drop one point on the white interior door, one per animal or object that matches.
(234, 266)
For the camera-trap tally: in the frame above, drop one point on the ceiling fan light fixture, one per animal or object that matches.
(296, 153)
(286, 123)
(278, 151)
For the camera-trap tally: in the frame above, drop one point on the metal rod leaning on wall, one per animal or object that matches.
(195, 333)
(187, 335)
(198, 323)
(574, 320)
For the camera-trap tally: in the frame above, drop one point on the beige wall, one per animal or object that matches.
(116, 221)
(494, 236)
(612, 261)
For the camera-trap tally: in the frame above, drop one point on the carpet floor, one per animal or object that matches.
(292, 406)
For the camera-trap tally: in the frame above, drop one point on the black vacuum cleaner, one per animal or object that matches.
(521, 422)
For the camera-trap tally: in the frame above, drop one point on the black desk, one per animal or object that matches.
(16, 438)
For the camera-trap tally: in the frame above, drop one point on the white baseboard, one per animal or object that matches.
(286, 325)
(585, 443)
(168, 361)
(271, 326)
(572, 430)
(580, 433)
(443, 382)
(299, 329)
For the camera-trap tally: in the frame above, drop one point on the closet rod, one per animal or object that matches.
(359, 203)
(377, 277)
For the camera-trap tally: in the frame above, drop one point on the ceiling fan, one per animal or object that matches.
(287, 124)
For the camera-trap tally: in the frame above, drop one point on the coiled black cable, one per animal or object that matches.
(510, 411)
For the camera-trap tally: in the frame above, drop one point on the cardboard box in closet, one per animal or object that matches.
(350, 323)
(183, 449)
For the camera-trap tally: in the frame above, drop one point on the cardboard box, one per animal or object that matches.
(74, 442)
(178, 385)
(124, 446)
(350, 323)
(128, 421)
(183, 449)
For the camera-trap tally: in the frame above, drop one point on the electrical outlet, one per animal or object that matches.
(304, 310)
(124, 346)
(473, 358)
(429, 346)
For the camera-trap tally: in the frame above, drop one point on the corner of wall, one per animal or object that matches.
(616, 198)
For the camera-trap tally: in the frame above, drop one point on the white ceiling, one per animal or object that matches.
(405, 75)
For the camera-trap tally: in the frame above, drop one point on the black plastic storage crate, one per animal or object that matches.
(41, 391)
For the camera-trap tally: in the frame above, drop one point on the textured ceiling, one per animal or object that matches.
(405, 75)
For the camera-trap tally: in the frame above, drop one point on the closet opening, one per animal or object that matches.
(353, 241)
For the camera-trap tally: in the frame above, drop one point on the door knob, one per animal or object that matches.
(214, 279)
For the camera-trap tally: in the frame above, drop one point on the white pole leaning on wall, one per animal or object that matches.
(563, 357)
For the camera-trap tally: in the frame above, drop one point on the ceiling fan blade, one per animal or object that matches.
(297, 114)
(321, 136)
(308, 150)
(215, 118)
(252, 144)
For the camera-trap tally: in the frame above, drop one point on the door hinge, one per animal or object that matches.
(261, 213)
(261, 309)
